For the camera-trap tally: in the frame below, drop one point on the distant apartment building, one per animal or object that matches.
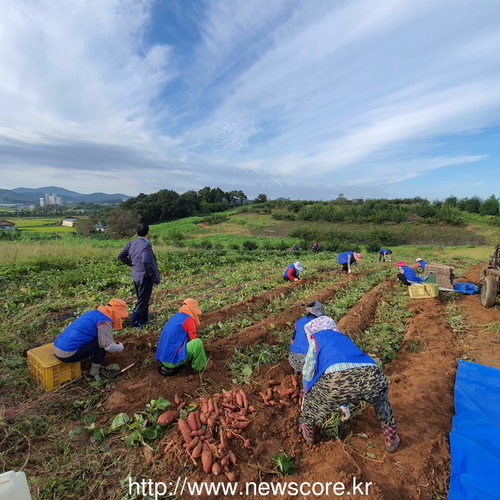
(50, 199)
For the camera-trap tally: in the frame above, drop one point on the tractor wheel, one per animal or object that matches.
(489, 290)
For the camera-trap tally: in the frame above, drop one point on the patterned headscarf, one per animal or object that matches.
(116, 309)
(320, 324)
(315, 308)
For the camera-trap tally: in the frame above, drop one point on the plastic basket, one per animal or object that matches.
(428, 291)
(48, 370)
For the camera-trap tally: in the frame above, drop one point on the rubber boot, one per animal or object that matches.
(94, 371)
(135, 320)
(392, 439)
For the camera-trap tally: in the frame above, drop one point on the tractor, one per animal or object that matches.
(490, 280)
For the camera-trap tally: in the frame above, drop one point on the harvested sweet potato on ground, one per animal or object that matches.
(185, 430)
(168, 417)
(206, 459)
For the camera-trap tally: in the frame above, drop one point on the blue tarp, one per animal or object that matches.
(475, 434)
(468, 288)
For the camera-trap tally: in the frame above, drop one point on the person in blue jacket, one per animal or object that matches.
(179, 343)
(292, 272)
(420, 265)
(407, 275)
(337, 373)
(91, 336)
(383, 254)
(299, 343)
(138, 254)
(348, 259)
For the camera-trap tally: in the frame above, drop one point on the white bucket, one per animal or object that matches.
(13, 486)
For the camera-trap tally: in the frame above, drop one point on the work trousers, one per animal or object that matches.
(89, 350)
(143, 290)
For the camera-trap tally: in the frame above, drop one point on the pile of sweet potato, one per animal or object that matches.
(284, 396)
(208, 430)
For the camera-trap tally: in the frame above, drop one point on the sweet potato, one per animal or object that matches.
(148, 455)
(231, 476)
(198, 449)
(244, 398)
(168, 417)
(232, 457)
(239, 400)
(206, 459)
(177, 400)
(203, 418)
(191, 421)
(193, 443)
(197, 418)
(216, 468)
(273, 382)
(185, 430)
(240, 425)
(294, 381)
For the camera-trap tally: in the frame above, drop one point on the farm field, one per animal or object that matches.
(89, 441)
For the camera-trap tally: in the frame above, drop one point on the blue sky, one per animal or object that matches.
(293, 98)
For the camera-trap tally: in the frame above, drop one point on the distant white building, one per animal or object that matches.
(69, 222)
(50, 199)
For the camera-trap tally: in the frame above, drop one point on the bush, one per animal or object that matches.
(282, 245)
(373, 247)
(235, 246)
(250, 245)
(205, 244)
(215, 219)
(267, 245)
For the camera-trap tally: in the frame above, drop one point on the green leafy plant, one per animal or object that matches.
(284, 464)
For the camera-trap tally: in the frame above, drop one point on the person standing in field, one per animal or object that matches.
(315, 247)
(91, 336)
(337, 373)
(348, 259)
(298, 343)
(292, 272)
(179, 342)
(138, 254)
(384, 254)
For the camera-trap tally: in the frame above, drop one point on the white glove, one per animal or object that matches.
(114, 347)
(349, 271)
(346, 413)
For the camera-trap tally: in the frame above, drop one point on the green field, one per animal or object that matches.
(40, 225)
(45, 284)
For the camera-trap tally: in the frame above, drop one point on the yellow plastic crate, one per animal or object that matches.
(427, 291)
(48, 370)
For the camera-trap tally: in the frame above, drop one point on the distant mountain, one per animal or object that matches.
(30, 195)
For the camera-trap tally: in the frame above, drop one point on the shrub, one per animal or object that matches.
(205, 244)
(267, 245)
(250, 245)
